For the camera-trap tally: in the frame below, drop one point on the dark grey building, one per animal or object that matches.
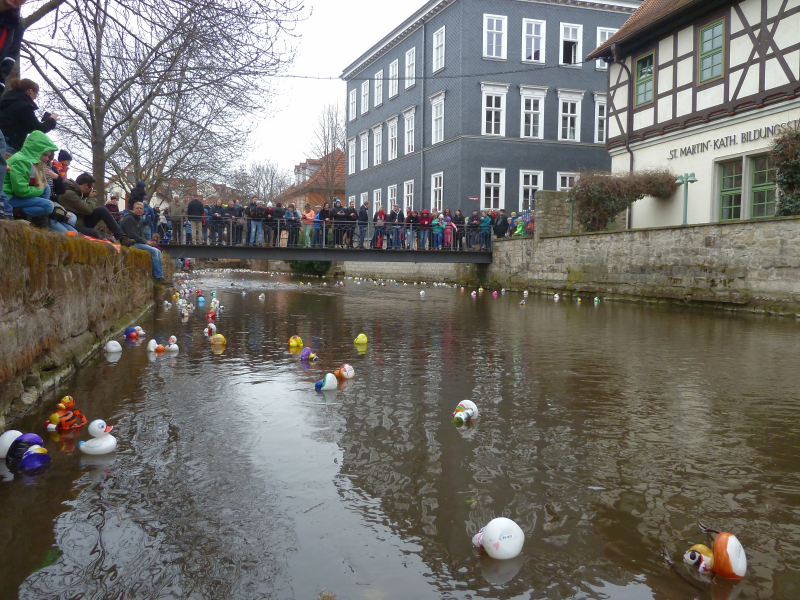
(478, 103)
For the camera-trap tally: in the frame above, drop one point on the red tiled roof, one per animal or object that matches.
(317, 181)
(649, 13)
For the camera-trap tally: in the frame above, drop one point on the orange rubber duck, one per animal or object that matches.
(68, 418)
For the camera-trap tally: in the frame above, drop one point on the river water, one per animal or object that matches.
(605, 432)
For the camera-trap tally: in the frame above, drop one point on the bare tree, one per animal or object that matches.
(330, 136)
(268, 180)
(117, 67)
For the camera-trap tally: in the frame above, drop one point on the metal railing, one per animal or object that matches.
(287, 233)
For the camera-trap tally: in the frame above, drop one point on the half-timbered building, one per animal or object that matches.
(703, 86)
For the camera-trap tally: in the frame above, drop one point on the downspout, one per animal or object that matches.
(422, 129)
(629, 125)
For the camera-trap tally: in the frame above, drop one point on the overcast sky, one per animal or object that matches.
(336, 33)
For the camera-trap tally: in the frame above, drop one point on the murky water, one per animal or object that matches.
(606, 432)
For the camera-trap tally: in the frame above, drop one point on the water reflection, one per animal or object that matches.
(605, 432)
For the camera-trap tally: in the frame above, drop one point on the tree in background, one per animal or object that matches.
(268, 180)
(330, 135)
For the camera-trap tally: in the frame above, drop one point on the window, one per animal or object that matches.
(644, 79)
(731, 191)
(529, 182)
(376, 196)
(353, 97)
(364, 97)
(392, 196)
(712, 39)
(569, 115)
(351, 156)
(571, 44)
(392, 138)
(602, 37)
(566, 181)
(763, 193)
(364, 150)
(532, 122)
(377, 145)
(353, 199)
(600, 115)
(378, 100)
(493, 181)
(533, 40)
(438, 50)
(411, 67)
(494, 101)
(437, 183)
(408, 195)
(409, 137)
(437, 130)
(494, 36)
(393, 74)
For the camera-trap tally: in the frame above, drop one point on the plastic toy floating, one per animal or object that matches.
(501, 538)
(131, 333)
(24, 452)
(422, 293)
(152, 345)
(525, 294)
(211, 315)
(172, 346)
(727, 560)
(345, 372)
(262, 297)
(308, 355)
(465, 411)
(295, 341)
(329, 382)
(103, 443)
(67, 418)
(522, 302)
(210, 330)
(113, 347)
(361, 339)
(219, 340)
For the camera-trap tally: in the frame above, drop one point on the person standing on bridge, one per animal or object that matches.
(308, 225)
(352, 218)
(363, 223)
(326, 221)
(339, 219)
(397, 219)
(196, 211)
(133, 227)
(215, 219)
(255, 212)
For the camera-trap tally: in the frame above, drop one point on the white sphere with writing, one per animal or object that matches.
(501, 538)
(113, 346)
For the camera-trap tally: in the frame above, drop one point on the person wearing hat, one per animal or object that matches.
(113, 207)
(62, 164)
(137, 195)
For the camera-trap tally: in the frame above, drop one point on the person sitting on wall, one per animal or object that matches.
(18, 114)
(81, 199)
(25, 184)
(133, 227)
(62, 164)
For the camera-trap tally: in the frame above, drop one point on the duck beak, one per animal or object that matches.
(108, 428)
(39, 450)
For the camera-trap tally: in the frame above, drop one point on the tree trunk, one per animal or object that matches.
(99, 163)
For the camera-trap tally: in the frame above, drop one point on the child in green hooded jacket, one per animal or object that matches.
(25, 183)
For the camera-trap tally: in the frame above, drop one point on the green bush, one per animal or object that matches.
(310, 267)
(785, 157)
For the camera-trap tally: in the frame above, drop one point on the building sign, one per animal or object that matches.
(475, 198)
(727, 141)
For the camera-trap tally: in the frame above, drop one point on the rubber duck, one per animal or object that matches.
(211, 315)
(167, 304)
(728, 558)
(465, 411)
(556, 297)
(295, 341)
(502, 538)
(210, 330)
(103, 443)
(113, 347)
(329, 382)
(24, 452)
(474, 294)
(525, 294)
(345, 372)
(494, 293)
(422, 293)
(578, 300)
(219, 340)
(480, 289)
(140, 332)
(201, 301)
(308, 355)
(172, 346)
(360, 339)
(263, 296)
(131, 334)
(522, 302)
(67, 418)
(152, 345)
(596, 300)
(462, 289)
(6, 439)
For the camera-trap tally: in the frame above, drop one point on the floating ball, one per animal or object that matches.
(295, 341)
(131, 333)
(152, 345)
(345, 372)
(361, 339)
(501, 538)
(219, 339)
(329, 382)
(113, 346)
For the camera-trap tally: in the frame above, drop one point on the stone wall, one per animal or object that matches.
(552, 213)
(60, 299)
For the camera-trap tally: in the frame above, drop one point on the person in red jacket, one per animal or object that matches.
(424, 229)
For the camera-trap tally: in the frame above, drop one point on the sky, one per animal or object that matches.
(335, 35)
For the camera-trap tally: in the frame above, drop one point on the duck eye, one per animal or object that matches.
(693, 555)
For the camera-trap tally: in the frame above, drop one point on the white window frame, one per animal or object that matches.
(600, 100)
(353, 104)
(578, 48)
(502, 184)
(503, 34)
(377, 144)
(408, 195)
(365, 97)
(394, 70)
(391, 196)
(561, 174)
(533, 93)
(437, 191)
(378, 89)
(351, 156)
(411, 67)
(526, 37)
(575, 96)
(364, 139)
(522, 187)
(494, 89)
(438, 50)
(409, 129)
(392, 140)
(600, 64)
(352, 199)
(437, 121)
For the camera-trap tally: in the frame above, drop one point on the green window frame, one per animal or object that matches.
(730, 204)
(712, 43)
(763, 192)
(645, 70)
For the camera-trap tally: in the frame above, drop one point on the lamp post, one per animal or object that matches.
(684, 180)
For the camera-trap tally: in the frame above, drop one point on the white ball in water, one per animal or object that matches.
(501, 538)
(113, 346)
(422, 293)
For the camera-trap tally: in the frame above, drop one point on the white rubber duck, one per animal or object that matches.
(210, 330)
(556, 297)
(152, 345)
(262, 297)
(103, 443)
(172, 346)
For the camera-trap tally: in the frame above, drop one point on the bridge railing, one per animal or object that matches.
(286, 233)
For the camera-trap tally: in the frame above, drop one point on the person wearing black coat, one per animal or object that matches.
(196, 211)
(11, 36)
(473, 227)
(352, 216)
(396, 218)
(339, 220)
(137, 195)
(501, 224)
(216, 218)
(363, 223)
(18, 114)
(326, 222)
(458, 221)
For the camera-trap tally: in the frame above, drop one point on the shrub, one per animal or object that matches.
(310, 267)
(785, 157)
(599, 197)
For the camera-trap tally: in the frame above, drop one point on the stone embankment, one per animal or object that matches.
(61, 298)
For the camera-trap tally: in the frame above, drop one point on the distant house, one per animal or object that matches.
(186, 188)
(317, 181)
(703, 87)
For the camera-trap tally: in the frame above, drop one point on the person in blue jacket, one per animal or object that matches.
(486, 227)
